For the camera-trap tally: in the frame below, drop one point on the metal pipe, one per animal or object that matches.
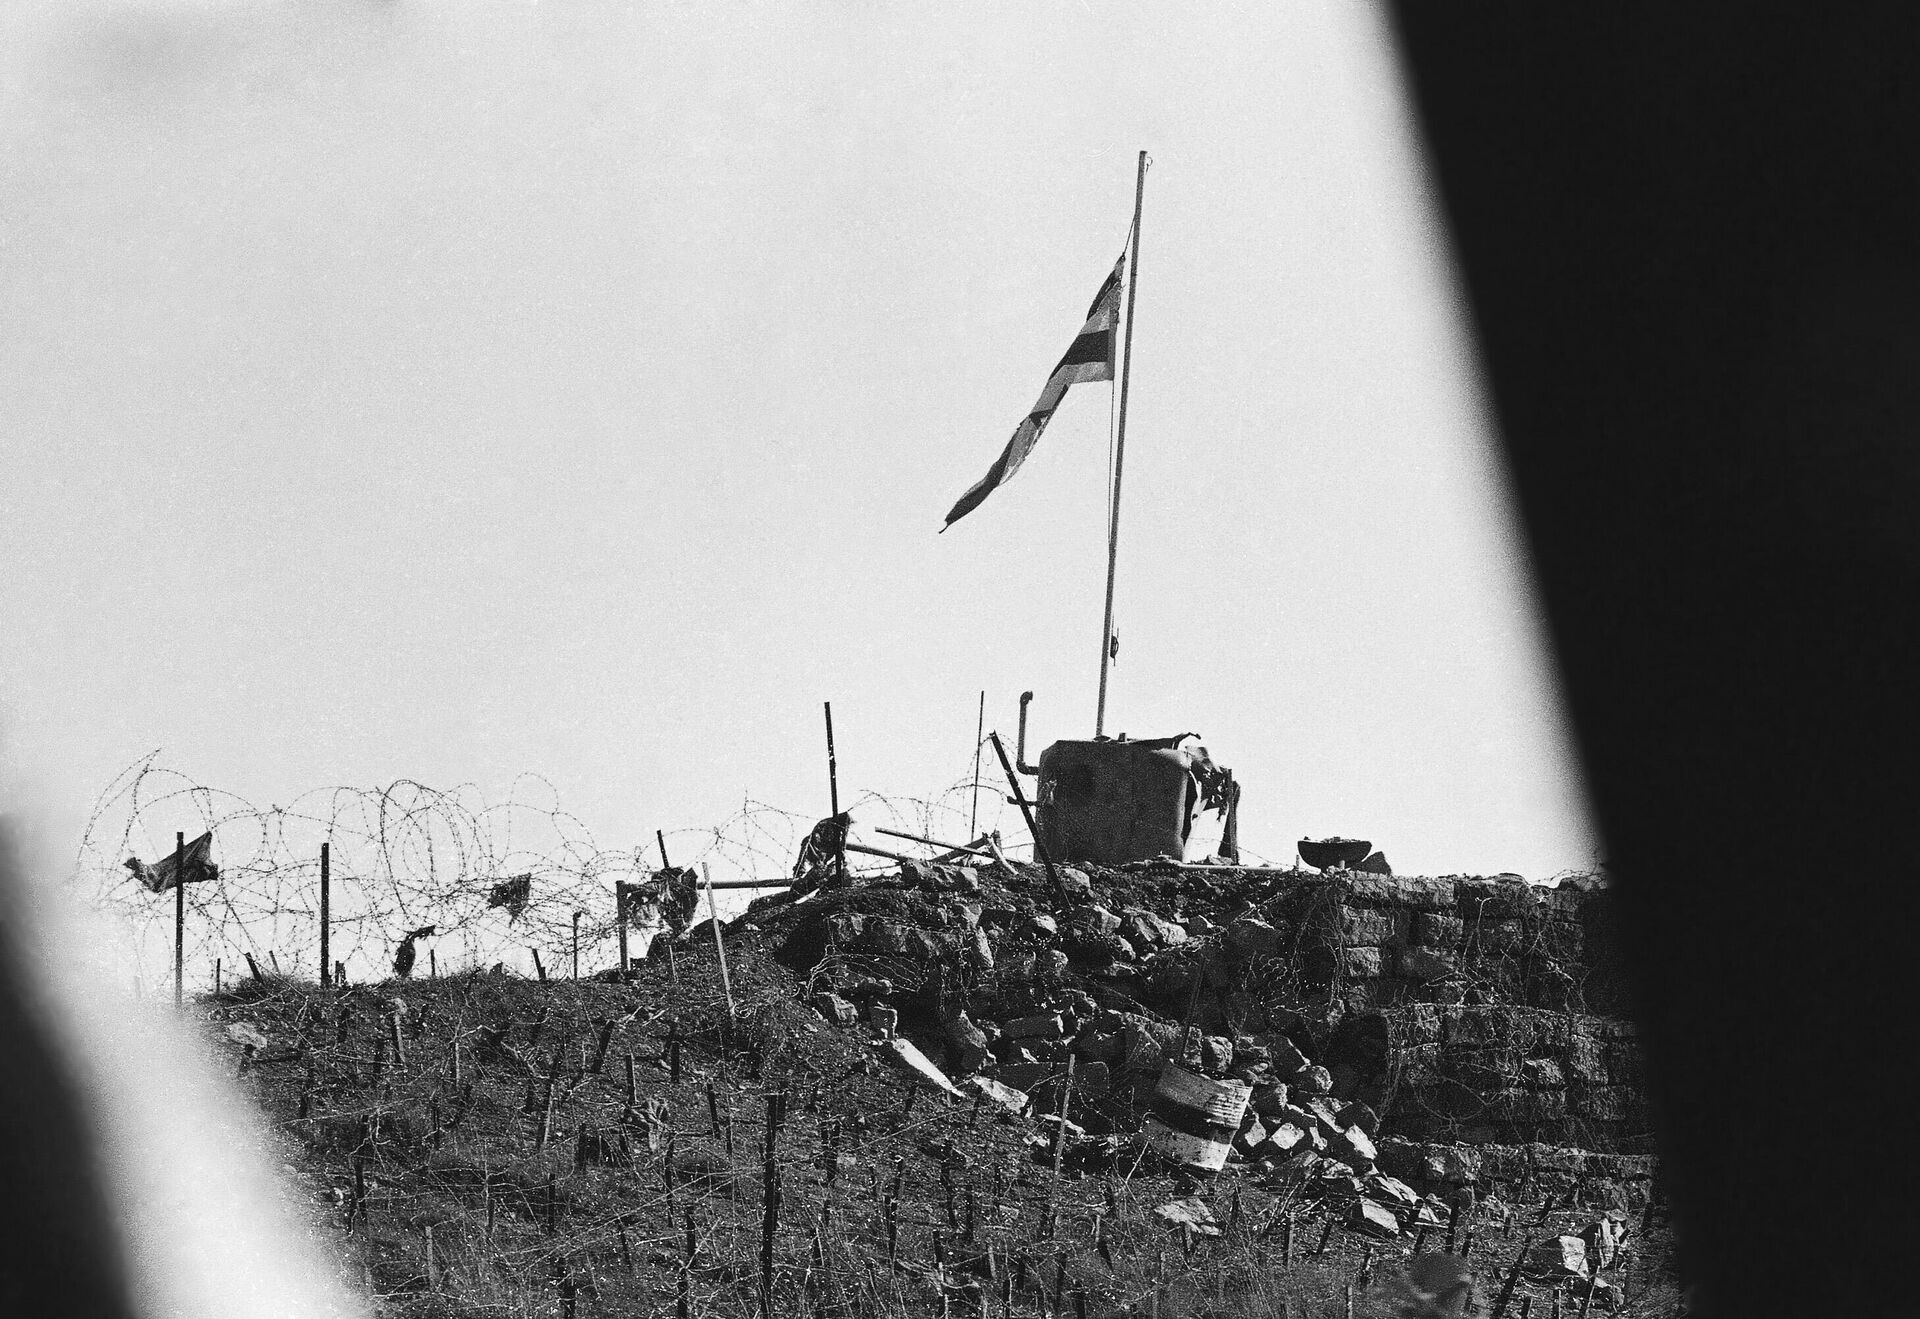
(874, 851)
(1020, 747)
(975, 847)
(1120, 451)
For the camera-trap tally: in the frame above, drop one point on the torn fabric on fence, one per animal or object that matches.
(197, 863)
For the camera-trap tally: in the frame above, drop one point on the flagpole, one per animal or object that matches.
(1120, 452)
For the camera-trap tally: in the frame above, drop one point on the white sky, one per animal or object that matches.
(446, 391)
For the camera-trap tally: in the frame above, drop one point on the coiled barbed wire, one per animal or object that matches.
(409, 855)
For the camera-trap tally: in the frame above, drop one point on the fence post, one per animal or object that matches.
(1506, 1288)
(179, 918)
(326, 915)
(620, 920)
(770, 1194)
(683, 1303)
(719, 946)
(833, 798)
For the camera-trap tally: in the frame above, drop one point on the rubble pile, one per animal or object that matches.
(1406, 1040)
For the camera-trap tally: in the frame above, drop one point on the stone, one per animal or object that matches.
(1605, 1103)
(1100, 1046)
(884, 1020)
(1365, 962)
(968, 1042)
(899, 939)
(1199, 927)
(1250, 937)
(1361, 1116)
(1352, 1145)
(1144, 929)
(1039, 925)
(1074, 883)
(1054, 1053)
(247, 1036)
(979, 950)
(1287, 1059)
(836, 1009)
(1286, 1137)
(1216, 1054)
(1424, 964)
(1312, 1081)
(1252, 1135)
(1094, 1078)
(1541, 1072)
(1558, 1258)
(1454, 1165)
(1364, 925)
(1095, 920)
(1040, 1026)
(1373, 1219)
(844, 928)
(1603, 1237)
(1491, 899)
(917, 1064)
(1438, 931)
(1097, 953)
(1392, 1191)
(1253, 1073)
(1006, 1096)
(1270, 1100)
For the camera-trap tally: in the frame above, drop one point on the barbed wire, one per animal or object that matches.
(409, 855)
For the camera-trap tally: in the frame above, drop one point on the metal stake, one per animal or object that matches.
(833, 791)
(179, 918)
(326, 933)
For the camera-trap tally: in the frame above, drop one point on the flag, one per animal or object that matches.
(1090, 358)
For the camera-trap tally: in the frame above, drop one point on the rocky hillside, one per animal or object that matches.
(926, 1091)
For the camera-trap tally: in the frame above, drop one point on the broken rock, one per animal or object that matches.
(1045, 1026)
(1558, 1257)
(1014, 1101)
(836, 1009)
(1374, 1219)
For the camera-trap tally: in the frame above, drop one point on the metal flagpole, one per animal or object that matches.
(1120, 451)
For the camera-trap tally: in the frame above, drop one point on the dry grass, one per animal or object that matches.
(580, 1202)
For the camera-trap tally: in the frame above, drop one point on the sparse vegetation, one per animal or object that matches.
(476, 1147)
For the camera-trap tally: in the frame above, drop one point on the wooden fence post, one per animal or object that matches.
(719, 945)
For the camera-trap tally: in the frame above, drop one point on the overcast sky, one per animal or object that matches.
(448, 391)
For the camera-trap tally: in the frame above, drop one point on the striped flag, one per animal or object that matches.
(1090, 358)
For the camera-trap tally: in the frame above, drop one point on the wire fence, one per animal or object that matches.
(409, 856)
